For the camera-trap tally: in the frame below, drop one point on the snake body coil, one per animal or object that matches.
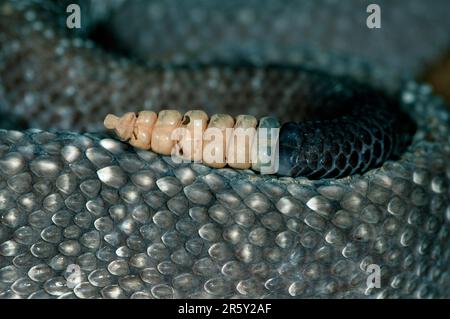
(367, 129)
(84, 215)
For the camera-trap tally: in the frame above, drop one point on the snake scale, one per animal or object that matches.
(136, 225)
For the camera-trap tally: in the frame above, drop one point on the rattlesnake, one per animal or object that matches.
(135, 224)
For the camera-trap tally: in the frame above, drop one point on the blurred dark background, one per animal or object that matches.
(414, 38)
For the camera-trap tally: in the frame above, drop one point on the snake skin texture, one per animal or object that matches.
(317, 156)
(372, 131)
(136, 225)
(276, 31)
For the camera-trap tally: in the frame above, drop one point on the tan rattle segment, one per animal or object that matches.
(142, 133)
(190, 143)
(123, 126)
(217, 142)
(162, 142)
(239, 150)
